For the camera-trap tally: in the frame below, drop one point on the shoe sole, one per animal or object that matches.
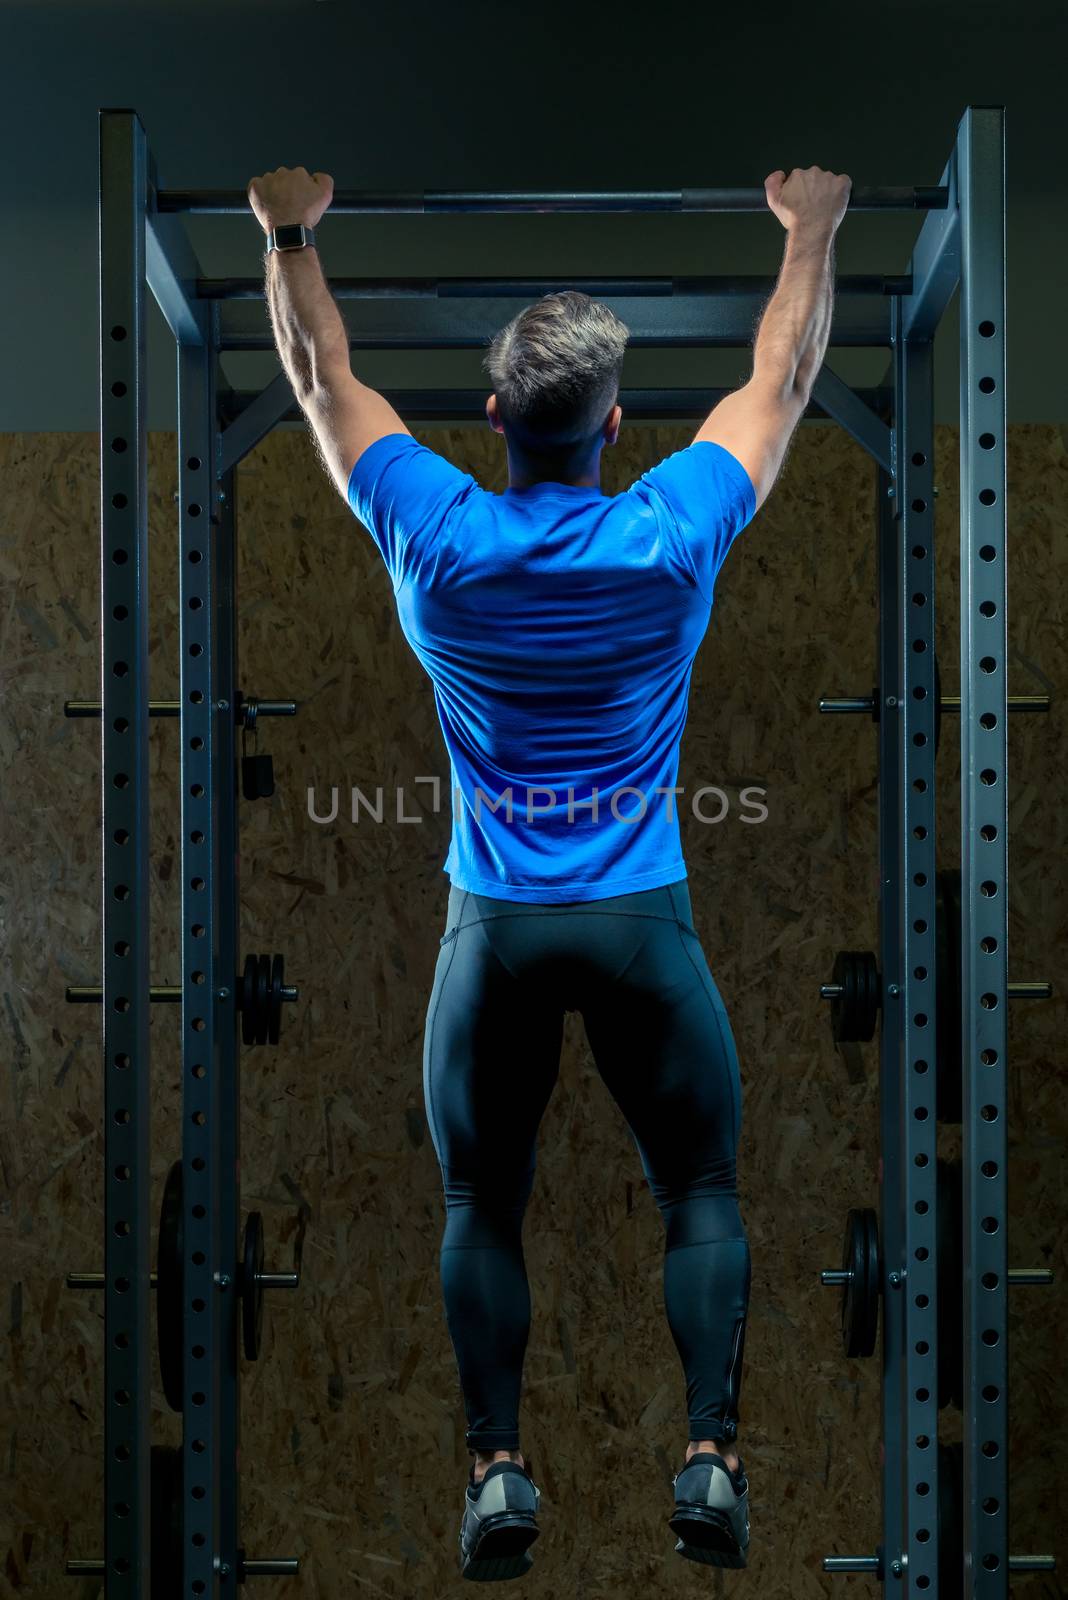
(501, 1550)
(705, 1535)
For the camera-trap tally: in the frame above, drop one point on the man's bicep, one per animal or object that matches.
(346, 418)
(755, 423)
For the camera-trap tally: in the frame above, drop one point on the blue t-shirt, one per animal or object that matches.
(558, 626)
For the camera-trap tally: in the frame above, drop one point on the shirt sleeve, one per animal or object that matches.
(708, 497)
(402, 492)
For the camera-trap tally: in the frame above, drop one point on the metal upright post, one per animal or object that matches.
(917, 1262)
(907, 916)
(124, 728)
(984, 863)
(209, 1128)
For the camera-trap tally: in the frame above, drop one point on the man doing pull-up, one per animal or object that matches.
(559, 627)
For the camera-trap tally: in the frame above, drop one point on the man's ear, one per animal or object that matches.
(611, 432)
(493, 415)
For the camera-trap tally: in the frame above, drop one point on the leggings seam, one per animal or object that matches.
(715, 1017)
(433, 1020)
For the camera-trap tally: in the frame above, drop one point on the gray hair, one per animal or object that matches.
(556, 367)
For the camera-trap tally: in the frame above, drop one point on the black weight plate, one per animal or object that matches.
(248, 1000)
(842, 1004)
(950, 1286)
(274, 1011)
(855, 1011)
(169, 1292)
(950, 1522)
(860, 1297)
(166, 1515)
(869, 994)
(251, 1288)
(263, 987)
(949, 1083)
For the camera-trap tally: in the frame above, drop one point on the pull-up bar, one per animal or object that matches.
(351, 202)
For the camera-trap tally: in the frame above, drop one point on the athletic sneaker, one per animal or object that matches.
(498, 1525)
(711, 1511)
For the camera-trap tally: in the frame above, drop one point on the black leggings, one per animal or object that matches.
(633, 966)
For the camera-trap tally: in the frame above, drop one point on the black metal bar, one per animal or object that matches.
(534, 288)
(210, 1233)
(128, 1356)
(949, 703)
(858, 419)
(172, 269)
(984, 783)
(935, 264)
(172, 708)
(689, 321)
(353, 202)
(911, 1268)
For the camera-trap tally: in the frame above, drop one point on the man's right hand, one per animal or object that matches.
(809, 197)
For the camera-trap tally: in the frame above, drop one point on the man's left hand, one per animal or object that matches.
(290, 195)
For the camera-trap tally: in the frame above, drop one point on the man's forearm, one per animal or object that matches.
(308, 329)
(794, 331)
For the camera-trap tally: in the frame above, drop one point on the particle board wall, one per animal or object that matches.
(353, 1454)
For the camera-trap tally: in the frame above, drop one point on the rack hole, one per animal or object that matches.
(987, 330)
(987, 385)
(987, 441)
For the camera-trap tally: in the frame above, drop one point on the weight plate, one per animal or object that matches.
(949, 1084)
(855, 1010)
(860, 1297)
(169, 1293)
(251, 1287)
(166, 1513)
(248, 1000)
(950, 1286)
(274, 1015)
(263, 986)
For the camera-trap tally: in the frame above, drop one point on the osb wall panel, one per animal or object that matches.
(353, 1454)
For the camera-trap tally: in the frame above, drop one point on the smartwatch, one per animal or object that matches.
(290, 236)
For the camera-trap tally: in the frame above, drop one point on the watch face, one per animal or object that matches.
(289, 237)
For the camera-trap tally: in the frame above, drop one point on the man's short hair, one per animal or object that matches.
(556, 368)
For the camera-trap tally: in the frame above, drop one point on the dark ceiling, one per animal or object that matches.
(480, 95)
